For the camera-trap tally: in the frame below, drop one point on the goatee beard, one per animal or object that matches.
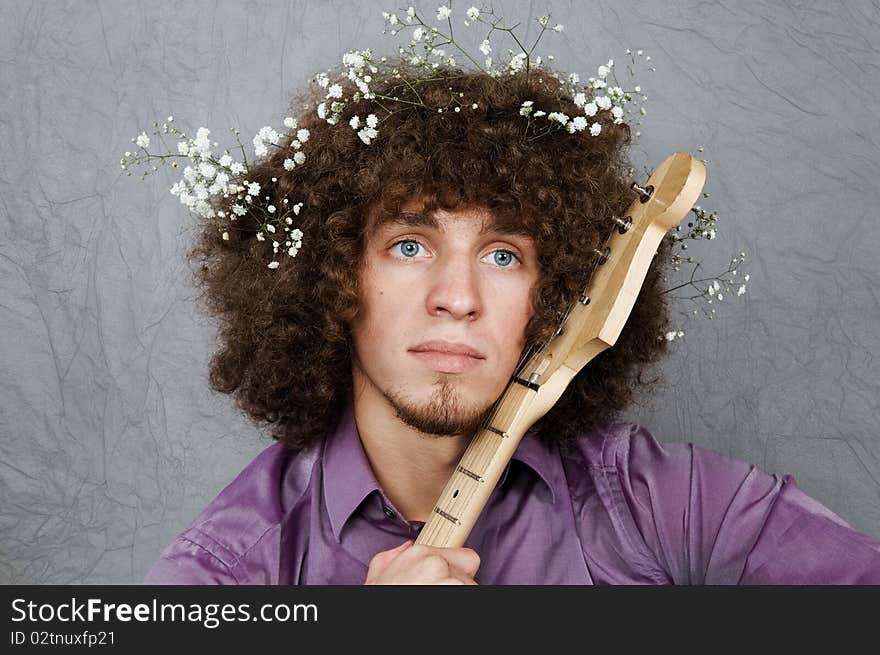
(444, 415)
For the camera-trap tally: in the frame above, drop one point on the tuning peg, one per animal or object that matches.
(602, 254)
(623, 223)
(644, 193)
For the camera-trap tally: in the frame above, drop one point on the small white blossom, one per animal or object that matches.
(335, 91)
(183, 148)
(443, 12)
(367, 134)
(590, 109)
(299, 157)
(237, 168)
(473, 13)
(372, 121)
(270, 227)
(580, 99)
(418, 33)
(595, 128)
(603, 102)
(290, 123)
(603, 72)
(558, 28)
(579, 123)
(143, 140)
(302, 135)
(225, 161)
(741, 290)
(617, 112)
(485, 48)
(355, 122)
(273, 264)
(254, 189)
(557, 116)
(238, 210)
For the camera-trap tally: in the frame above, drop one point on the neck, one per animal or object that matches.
(411, 467)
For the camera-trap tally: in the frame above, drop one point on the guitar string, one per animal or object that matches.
(435, 521)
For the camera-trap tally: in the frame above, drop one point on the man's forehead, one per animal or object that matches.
(434, 220)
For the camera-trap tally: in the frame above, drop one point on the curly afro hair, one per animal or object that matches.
(285, 347)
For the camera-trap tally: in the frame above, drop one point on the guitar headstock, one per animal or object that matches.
(594, 322)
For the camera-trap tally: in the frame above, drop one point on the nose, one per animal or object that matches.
(455, 289)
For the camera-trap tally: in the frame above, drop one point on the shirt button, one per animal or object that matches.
(389, 512)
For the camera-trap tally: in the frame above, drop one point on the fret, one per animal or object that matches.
(470, 473)
(448, 517)
(492, 428)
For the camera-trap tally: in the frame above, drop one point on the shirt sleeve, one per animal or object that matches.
(191, 559)
(712, 519)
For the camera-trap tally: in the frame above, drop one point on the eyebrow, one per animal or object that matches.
(421, 219)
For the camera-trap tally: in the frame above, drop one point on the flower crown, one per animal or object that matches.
(219, 189)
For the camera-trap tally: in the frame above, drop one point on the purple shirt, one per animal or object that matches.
(620, 508)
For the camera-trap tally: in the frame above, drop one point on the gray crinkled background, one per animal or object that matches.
(111, 441)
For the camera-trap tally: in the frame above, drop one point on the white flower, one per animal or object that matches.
(335, 91)
(254, 189)
(290, 122)
(367, 134)
(590, 109)
(558, 28)
(485, 48)
(443, 12)
(603, 72)
(225, 161)
(322, 109)
(237, 168)
(270, 227)
(143, 140)
(595, 128)
(418, 33)
(271, 209)
(473, 13)
(372, 121)
(579, 123)
(303, 135)
(296, 234)
(299, 157)
(617, 112)
(670, 335)
(322, 80)
(289, 164)
(741, 290)
(559, 117)
(603, 102)
(296, 209)
(238, 210)
(183, 148)
(517, 62)
(268, 134)
(411, 13)
(207, 170)
(599, 84)
(580, 99)
(226, 236)
(526, 108)
(273, 265)
(355, 122)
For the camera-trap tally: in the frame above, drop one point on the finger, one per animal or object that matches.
(465, 559)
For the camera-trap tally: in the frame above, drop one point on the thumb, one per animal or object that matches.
(383, 559)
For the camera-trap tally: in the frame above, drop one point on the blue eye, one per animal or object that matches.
(409, 248)
(503, 258)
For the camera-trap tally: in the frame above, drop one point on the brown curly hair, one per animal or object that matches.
(285, 347)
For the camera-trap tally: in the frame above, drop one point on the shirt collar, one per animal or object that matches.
(348, 477)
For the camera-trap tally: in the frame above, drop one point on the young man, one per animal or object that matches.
(434, 257)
